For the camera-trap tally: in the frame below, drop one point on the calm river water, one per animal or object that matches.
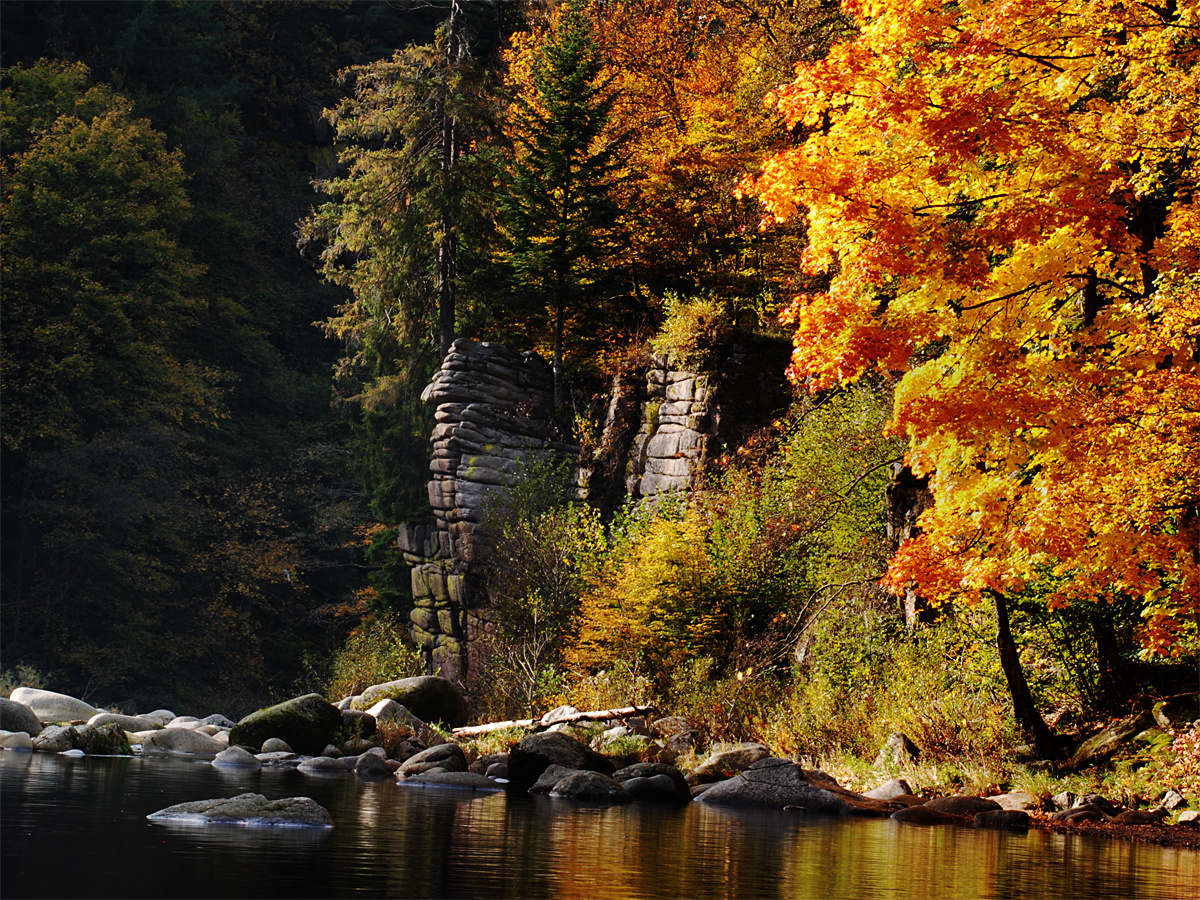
(77, 828)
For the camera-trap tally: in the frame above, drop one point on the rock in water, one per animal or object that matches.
(1002, 818)
(591, 786)
(536, 753)
(16, 716)
(429, 698)
(962, 806)
(237, 757)
(728, 760)
(780, 783)
(248, 809)
(654, 781)
(446, 757)
(50, 707)
(306, 723)
(180, 740)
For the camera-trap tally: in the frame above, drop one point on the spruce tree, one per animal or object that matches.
(558, 213)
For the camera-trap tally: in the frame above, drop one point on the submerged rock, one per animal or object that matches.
(248, 809)
(962, 806)
(923, 815)
(237, 757)
(464, 780)
(591, 786)
(1002, 818)
(444, 757)
(782, 783)
(655, 782)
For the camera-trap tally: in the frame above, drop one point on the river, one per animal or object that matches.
(77, 828)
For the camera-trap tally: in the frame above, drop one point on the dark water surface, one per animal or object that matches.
(77, 828)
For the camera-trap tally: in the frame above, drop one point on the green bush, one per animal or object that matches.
(377, 651)
(694, 332)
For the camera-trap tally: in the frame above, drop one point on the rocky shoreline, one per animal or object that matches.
(385, 734)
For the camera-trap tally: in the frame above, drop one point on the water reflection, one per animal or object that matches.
(395, 841)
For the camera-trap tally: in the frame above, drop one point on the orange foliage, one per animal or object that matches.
(1003, 194)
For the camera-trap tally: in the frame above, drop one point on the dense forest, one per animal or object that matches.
(239, 237)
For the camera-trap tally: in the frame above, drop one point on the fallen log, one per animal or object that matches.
(623, 712)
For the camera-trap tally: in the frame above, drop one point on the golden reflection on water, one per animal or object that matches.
(392, 840)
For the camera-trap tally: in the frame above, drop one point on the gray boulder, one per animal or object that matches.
(962, 806)
(896, 787)
(15, 740)
(391, 711)
(466, 780)
(51, 707)
(1002, 818)
(323, 765)
(161, 716)
(654, 781)
(306, 723)
(219, 720)
(591, 786)
(180, 740)
(728, 760)
(373, 765)
(103, 740)
(128, 723)
(16, 716)
(537, 752)
(248, 809)
(1102, 745)
(547, 780)
(1141, 816)
(428, 697)
(446, 757)
(782, 783)
(1017, 800)
(237, 757)
(54, 739)
(276, 745)
(359, 724)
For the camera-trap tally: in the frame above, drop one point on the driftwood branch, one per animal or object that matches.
(623, 712)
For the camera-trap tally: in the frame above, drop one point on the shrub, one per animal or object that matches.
(375, 652)
(694, 331)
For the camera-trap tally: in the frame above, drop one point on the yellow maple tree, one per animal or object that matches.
(1004, 197)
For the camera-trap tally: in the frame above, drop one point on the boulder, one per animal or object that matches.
(306, 723)
(552, 776)
(50, 707)
(922, 815)
(1101, 746)
(102, 740)
(728, 760)
(897, 750)
(446, 757)
(276, 745)
(468, 780)
(428, 697)
(323, 765)
(1017, 800)
(591, 786)
(181, 740)
(16, 716)
(15, 740)
(483, 764)
(1002, 818)
(557, 715)
(962, 806)
(54, 739)
(189, 722)
(391, 711)
(237, 757)
(359, 724)
(1141, 816)
(219, 720)
(1063, 800)
(896, 787)
(131, 724)
(1172, 800)
(654, 780)
(1079, 814)
(248, 809)
(161, 716)
(782, 783)
(373, 765)
(537, 752)
(1190, 818)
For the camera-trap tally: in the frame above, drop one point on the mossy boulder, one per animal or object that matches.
(1177, 711)
(536, 753)
(1103, 745)
(307, 724)
(429, 698)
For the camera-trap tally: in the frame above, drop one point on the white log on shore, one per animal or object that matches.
(623, 712)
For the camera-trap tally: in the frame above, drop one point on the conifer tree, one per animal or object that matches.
(559, 216)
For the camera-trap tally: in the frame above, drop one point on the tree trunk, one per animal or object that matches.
(1026, 713)
(448, 243)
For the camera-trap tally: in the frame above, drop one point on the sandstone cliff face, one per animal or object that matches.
(494, 415)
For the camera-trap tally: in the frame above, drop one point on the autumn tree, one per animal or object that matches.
(1003, 198)
(558, 210)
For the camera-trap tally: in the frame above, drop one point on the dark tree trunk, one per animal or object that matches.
(558, 354)
(448, 243)
(1026, 713)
